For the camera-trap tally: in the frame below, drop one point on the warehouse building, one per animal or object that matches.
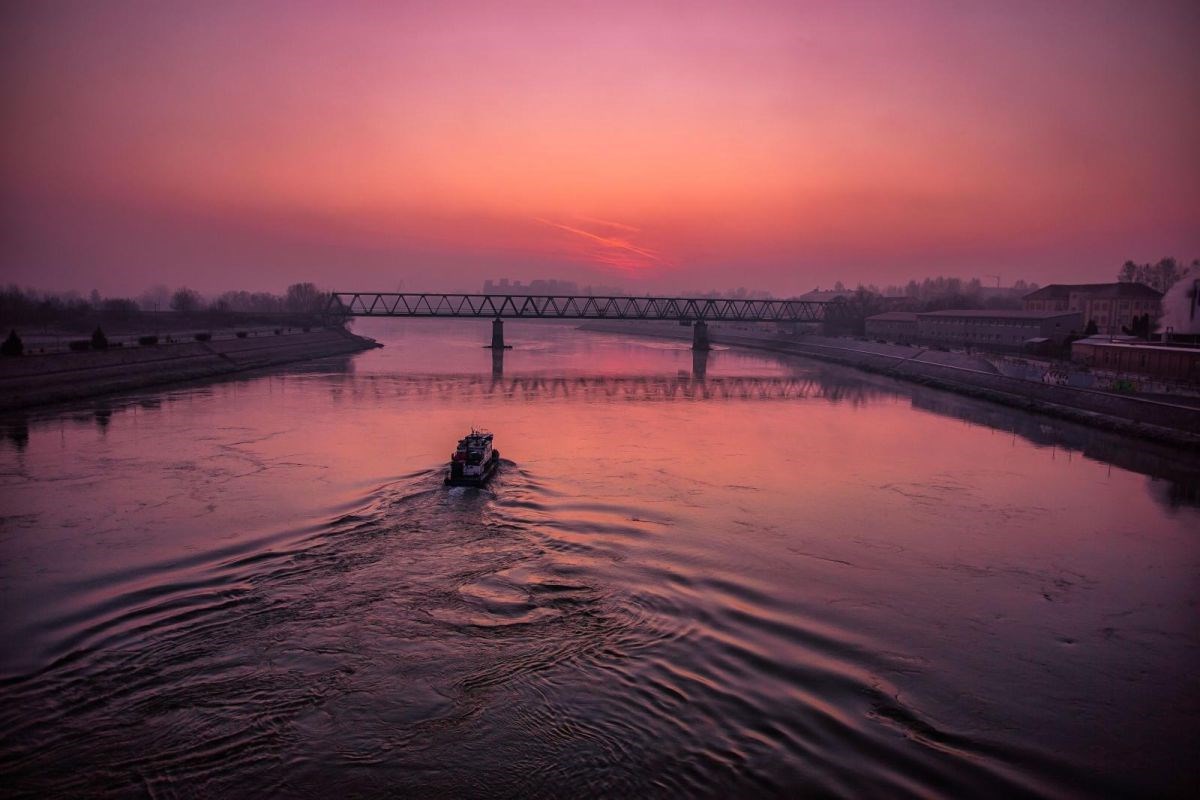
(1141, 358)
(893, 326)
(993, 329)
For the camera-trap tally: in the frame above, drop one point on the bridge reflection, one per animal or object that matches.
(699, 363)
(646, 388)
(1174, 474)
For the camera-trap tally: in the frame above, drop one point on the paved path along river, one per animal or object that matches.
(743, 575)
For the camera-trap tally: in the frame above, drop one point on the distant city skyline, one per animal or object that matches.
(777, 146)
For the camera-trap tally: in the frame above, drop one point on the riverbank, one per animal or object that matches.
(1171, 423)
(60, 377)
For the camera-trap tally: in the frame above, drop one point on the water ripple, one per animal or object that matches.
(558, 646)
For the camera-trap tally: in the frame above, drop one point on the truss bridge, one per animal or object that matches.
(694, 311)
(528, 306)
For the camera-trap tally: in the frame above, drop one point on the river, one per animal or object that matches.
(739, 575)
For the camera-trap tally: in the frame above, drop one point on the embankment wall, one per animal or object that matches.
(59, 377)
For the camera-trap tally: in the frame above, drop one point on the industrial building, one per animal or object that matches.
(893, 326)
(1178, 363)
(994, 329)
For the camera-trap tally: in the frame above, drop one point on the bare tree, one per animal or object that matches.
(185, 300)
(1161, 276)
(304, 297)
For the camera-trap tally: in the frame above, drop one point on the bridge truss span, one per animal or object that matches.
(524, 306)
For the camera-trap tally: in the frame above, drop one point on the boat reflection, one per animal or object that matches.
(15, 430)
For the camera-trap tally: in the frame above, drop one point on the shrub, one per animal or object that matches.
(79, 345)
(203, 337)
(99, 340)
(306, 329)
(279, 331)
(13, 346)
(241, 334)
(146, 341)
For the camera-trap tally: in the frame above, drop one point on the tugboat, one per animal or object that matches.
(474, 461)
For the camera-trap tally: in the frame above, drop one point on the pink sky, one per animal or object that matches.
(659, 146)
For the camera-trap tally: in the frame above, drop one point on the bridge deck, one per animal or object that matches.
(524, 306)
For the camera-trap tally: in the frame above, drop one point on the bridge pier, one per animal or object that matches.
(700, 335)
(498, 336)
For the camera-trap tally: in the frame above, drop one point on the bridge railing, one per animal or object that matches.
(684, 309)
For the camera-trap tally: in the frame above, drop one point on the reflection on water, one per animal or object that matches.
(103, 413)
(710, 574)
(529, 388)
(15, 429)
(1177, 469)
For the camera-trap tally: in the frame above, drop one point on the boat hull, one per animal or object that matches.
(489, 470)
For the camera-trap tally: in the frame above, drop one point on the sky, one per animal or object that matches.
(654, 146)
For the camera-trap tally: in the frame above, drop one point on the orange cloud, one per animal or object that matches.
(610, 224)
(611, 250)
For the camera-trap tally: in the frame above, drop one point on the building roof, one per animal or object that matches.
(1108, 338)
(895, 316)
(825, 295)
(1121, 289)
(997, 313)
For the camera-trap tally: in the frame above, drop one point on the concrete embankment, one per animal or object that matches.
(36, 380)
(1177, 424)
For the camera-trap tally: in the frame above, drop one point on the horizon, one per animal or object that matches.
(658, 149)
(738, 527)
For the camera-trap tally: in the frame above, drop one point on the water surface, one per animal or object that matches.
(692, 577)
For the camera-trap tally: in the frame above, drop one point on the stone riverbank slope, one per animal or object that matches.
(35, 380)
(1172, 423)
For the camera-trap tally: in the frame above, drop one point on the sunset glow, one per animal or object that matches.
(666, 145)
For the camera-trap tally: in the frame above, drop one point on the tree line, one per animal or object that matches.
(937, 294)
(1161, 275)
(28, 306)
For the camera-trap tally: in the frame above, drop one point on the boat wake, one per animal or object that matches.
(557, 645)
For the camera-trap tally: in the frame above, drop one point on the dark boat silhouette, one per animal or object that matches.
(474, 461)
